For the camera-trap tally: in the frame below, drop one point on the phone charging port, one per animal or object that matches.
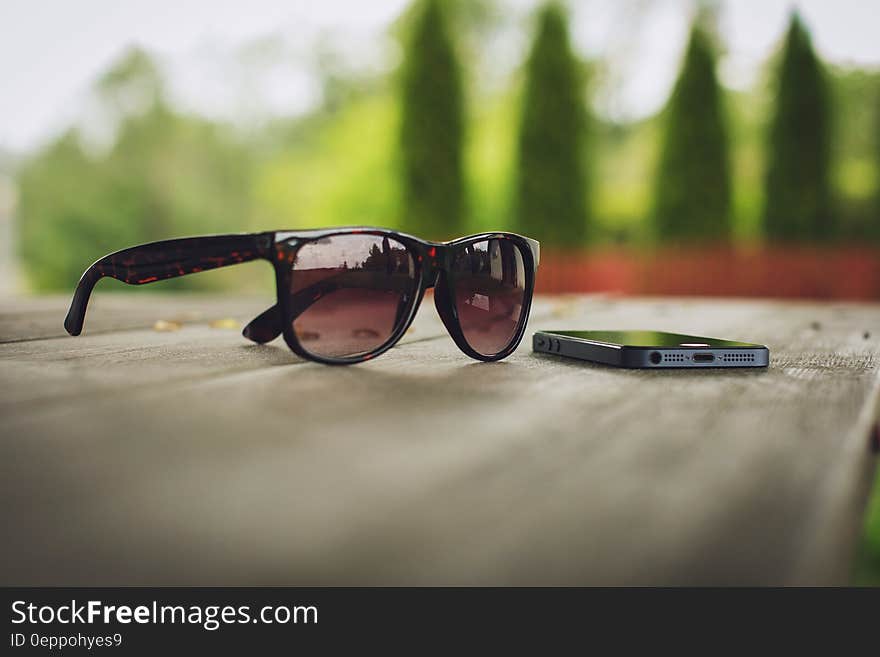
(704, 358)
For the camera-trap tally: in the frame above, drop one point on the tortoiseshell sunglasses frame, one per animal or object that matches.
(165, 259)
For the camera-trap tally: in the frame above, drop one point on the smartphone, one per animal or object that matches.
(650, 349)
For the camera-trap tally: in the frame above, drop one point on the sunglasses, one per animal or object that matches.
(346, 295)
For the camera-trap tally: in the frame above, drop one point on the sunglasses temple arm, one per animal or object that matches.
(157, 261)
(267, 326)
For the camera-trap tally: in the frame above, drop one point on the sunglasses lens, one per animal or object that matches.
(490, 287)
(349, 293)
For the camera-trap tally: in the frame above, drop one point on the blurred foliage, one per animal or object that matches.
(867, 568)
(855, 155)
(167, 174)
(432, 128)
(875, 224)
(798, 182)
(333, 169)
(551, 202)
(692, 193)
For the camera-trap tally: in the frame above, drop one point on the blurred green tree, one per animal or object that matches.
(551, 176)
(797, 183)
(61, 214)
(165, 175)
(876, 228)
(692, 188)
(432, 128)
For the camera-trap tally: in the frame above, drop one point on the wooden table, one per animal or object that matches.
(137, 456)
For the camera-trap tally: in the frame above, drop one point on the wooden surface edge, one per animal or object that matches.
(833, 533)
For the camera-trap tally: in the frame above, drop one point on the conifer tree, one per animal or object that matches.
(551, 195)
(797, 185)
(432, 128)
(875, 230)
(692, 183)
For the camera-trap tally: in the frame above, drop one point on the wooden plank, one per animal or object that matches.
(121, 360)
(186, 457)
(26, 318)
(107, 361)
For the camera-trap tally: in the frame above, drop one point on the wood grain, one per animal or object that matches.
(132, 456)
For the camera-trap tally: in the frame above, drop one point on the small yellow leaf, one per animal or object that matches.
(226, 323)
(163, 325)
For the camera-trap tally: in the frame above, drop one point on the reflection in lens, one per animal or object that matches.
(349, 293)
(489, 282)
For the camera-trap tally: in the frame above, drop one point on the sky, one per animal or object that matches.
(247, 60)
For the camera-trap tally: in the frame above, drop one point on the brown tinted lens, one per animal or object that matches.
(489, 285)
(349, 293)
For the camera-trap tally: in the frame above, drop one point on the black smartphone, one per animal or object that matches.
(650, 349)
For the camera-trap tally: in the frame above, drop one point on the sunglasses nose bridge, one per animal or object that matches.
(435, 261)
(431, 277)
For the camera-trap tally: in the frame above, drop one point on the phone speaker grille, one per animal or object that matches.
(738, 358)
(673, 358)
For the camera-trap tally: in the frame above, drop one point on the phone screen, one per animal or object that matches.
(651, 339)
